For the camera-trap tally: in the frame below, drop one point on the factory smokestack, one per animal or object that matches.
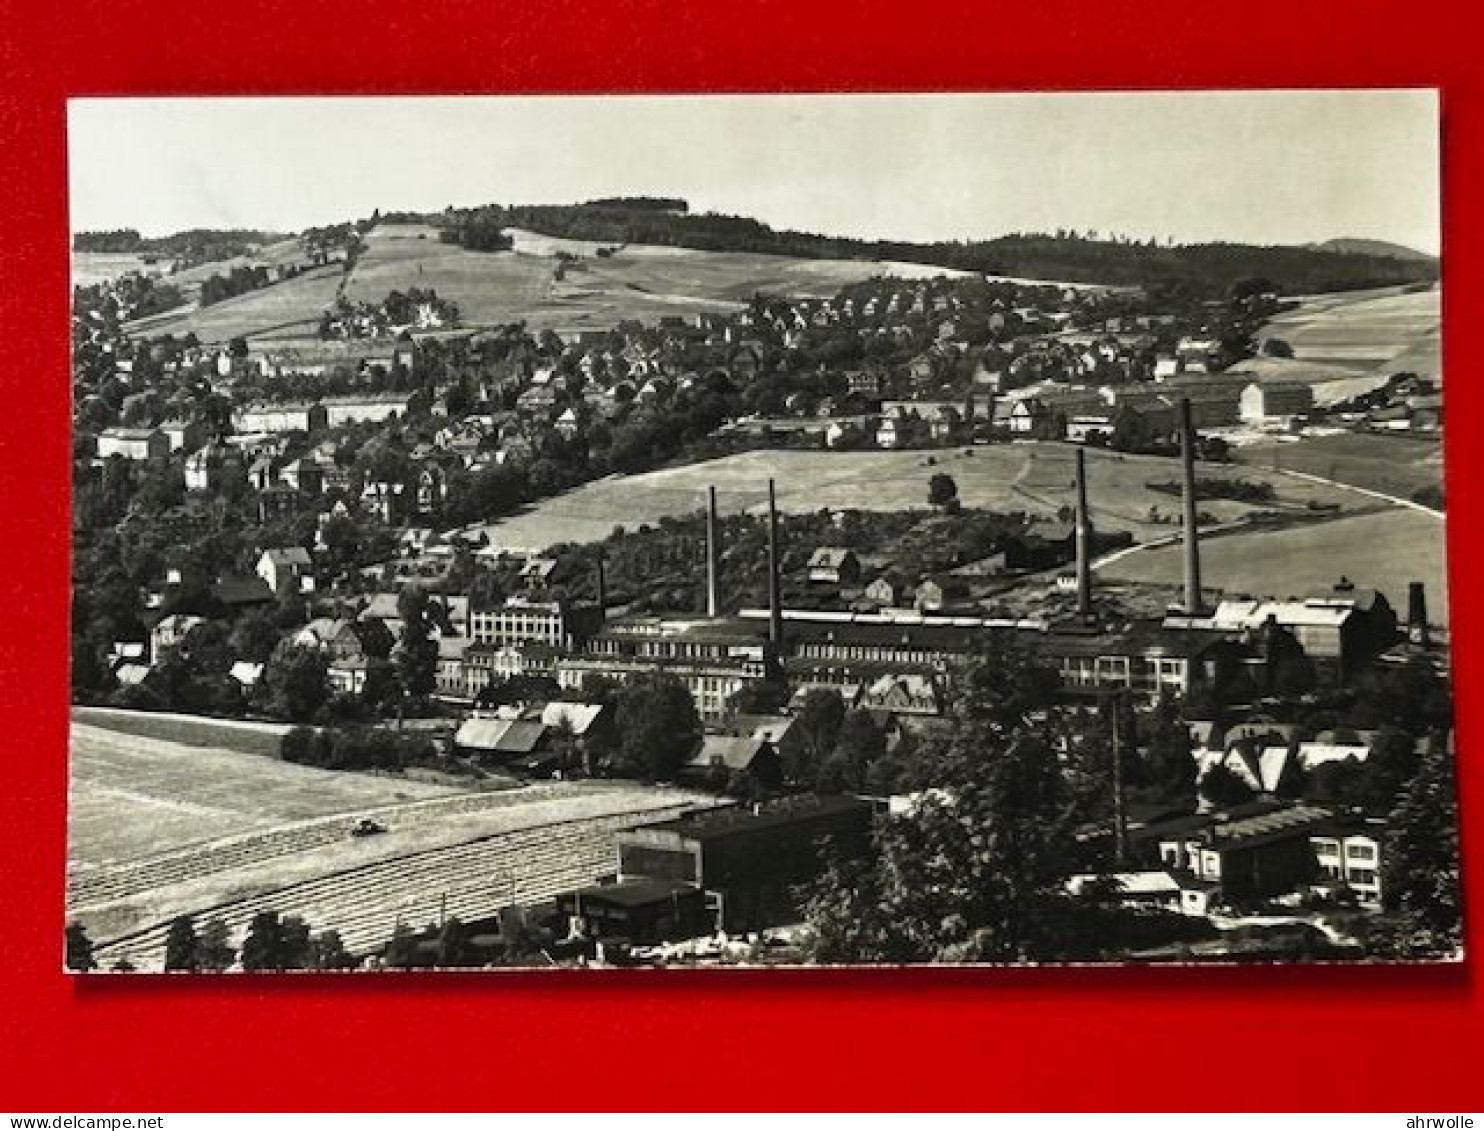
(775, 595)
(1416, 613)
(713, 556)
(602, 588)
(1084, 543)
(1193, 599)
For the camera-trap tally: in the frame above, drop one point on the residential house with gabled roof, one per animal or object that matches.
(904, 694)
(170, 631)
(729, 754)
(287, 569)
(834, 565)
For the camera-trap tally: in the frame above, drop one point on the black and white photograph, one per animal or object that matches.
(758, 530)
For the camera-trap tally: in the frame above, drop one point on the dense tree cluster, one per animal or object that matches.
(237, 281)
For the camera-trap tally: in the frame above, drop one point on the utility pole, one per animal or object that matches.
(1120, 819)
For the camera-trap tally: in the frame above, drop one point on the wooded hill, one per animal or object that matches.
(1069, 257)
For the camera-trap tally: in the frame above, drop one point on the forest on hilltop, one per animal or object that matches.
(1062, 256)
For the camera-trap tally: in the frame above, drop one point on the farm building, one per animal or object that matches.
(1276, 403)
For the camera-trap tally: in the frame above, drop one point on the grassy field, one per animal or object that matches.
(1397, 465)
(494, 288)
(132, 796)
(1385, 550)
(157, 828)
(1036, 478)
(292, 307)
(91, 267)
(638, 281)
(1362, 334)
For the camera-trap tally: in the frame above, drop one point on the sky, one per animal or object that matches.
(1252, 167)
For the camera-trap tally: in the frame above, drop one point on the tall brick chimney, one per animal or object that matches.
(1417, 613)
(713, 556)
(775, 584)
(1084, 543)
(1193, 597)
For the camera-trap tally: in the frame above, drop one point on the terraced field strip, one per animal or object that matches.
(86, 888)
(471, 880)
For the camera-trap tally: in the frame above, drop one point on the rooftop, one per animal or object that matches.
(723, 822)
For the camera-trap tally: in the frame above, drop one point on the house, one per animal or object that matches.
(894, 432)
(1349, 852)
(833, 565)
(728, 754)
(184, 435)
(884, 591)
(1278, 403)
(748, 861)
(296, 416)
(303, 475)
(1198, 355)
(386, 500)
(580, 718)
(134, 444)
(238, 594)
(536, 573)
(1251, 855)
(170, 632)
(933, 593)
(373, 407)
(1045, 545)
(641, 912)
(287, 569)
(359, 675)
(904, 694)
(1156, 889)
(781, 732)
(568, 424)
(246, 673)
(1166, 368)
(500, 739)
(1028, 415)
(336, 637)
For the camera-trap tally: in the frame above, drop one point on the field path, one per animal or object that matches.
(1394, 500)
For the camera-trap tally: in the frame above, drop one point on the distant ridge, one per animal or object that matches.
(1374, 247)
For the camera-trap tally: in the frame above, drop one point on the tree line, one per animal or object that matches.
(1212, 268)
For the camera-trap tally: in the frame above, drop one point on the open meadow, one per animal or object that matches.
(529, 283)
(1345, 343)
(1383, 550)
(291, 308)
(132, 796)
(552, 283)
(1030, 477)
(1395, 465)
(92, 267)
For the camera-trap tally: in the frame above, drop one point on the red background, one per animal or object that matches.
(1328, 1038)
